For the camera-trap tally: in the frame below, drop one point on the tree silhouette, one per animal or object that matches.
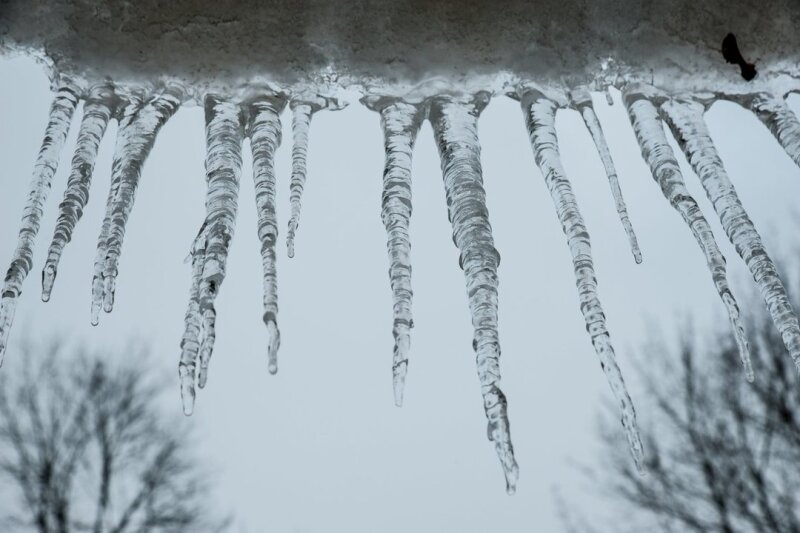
(86, 448)
(722, 455)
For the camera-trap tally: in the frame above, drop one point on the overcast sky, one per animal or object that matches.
(320, 447)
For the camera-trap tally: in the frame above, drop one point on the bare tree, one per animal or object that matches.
(86, 448)
(722, 455)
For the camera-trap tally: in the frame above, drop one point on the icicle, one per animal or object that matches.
(658, 154)
(455, 127)
(609, 96)
(301, 123)
(264, 130)
(303, 108)
(224, 135)
(685, 118)
(540, 120)
(132, 102)
(61, 111)
(583, 102)
(190, 344)
(97, 111)
(781, 121)
(400, 122)
(132, 151)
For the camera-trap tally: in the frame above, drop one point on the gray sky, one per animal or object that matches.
(320, 447)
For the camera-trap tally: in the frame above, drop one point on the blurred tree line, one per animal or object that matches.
(722, 454)
(84, 446)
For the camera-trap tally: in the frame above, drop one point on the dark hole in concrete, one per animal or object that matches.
(731, 53)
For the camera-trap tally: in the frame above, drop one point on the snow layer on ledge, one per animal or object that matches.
(674, 45)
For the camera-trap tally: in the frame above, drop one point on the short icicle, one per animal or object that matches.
(97, 110)
(264, 130)
(126, 173)
(776, 115)
(303, 109)
(400, 122)
(455, 127)
(685, 118)
(301, 124)
(540, 113)
(224, 136)
(60, 118)
(659, 156)
(132, 100)
(582, 100)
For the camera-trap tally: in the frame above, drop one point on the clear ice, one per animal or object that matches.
(224, 137)
(582, 101)
(61, 111)
(97, 111)
(540, 114)
(685, 118)
(141, 111)
(659, 156)
(264, 130)
(400, 122)
(137, 135)
(455, 129)
(781, 121)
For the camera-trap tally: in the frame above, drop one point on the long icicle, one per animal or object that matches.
(224, 135)
(583, 103)
(776, 115)
(264, 130)
(301, 124)
(685, 118)
(132, 156)
(60, 118)
(540, 114)
(127, 111)
(400, 122)
(97, 110)
(190, 343)
(455, 128)
(666, 172)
